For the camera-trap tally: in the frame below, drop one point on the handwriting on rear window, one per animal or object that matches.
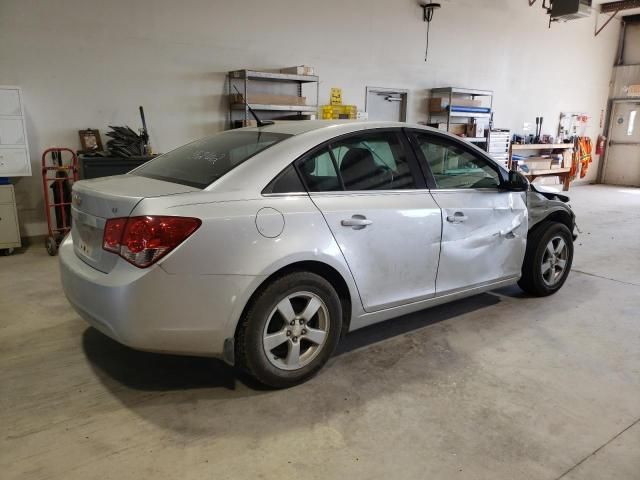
(211, 157)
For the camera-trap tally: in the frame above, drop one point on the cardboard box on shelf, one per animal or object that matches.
(455, 128)
(337, 112)
(538, 163)
(476, 129)
(270, 99)
(335, 96)
(299, 70)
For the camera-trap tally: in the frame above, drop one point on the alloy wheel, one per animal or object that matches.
(296, 331)
(554, 261)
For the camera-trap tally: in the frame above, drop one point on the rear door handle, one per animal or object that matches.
(357, 222)
(457, 217)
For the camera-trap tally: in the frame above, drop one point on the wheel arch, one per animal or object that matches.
(322, 269)
(558, 215)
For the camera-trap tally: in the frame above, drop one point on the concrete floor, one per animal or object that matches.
(498, 386)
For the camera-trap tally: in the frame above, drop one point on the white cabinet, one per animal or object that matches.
(9, 230)
(14, 148)
(10, 101)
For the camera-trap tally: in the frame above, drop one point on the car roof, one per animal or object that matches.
(297, 127)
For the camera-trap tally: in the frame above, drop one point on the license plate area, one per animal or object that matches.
(86, 241)
(87, 232)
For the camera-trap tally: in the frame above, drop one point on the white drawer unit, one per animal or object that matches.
(9, 229)
(498, 145)
(14, 148)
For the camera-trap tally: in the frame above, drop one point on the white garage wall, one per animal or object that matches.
(89, 63)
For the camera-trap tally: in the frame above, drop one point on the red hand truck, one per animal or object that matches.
(58, 176)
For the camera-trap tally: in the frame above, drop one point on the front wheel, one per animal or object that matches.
(290, 330)
(547, 260)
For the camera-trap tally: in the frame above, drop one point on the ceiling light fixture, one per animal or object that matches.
(427, 16)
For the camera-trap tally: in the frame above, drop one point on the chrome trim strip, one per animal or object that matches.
(292, 194)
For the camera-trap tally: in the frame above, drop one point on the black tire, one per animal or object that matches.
(8, 251)
(52, 246)
(532, 280)
(251, 355)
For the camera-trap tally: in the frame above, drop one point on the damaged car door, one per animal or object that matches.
(484, 226)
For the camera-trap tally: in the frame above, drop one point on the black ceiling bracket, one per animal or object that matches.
(598, 30)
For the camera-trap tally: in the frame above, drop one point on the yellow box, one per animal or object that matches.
(337, 112)
(336, 96)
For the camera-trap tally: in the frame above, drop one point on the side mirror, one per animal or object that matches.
(517, 182)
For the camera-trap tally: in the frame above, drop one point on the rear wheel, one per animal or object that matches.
(547, 260)
(290, 330)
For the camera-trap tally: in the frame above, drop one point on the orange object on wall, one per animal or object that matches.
(584, 154)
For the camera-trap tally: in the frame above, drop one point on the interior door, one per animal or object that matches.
(386, 104)
(623, 157)
(484, 229)
(384, 220)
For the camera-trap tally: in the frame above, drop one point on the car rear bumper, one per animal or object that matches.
(150, 309)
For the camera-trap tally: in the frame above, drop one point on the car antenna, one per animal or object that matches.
(261, 123)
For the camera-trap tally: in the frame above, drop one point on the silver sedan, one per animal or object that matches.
(263, 246)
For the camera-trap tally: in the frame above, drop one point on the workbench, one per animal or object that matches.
(563, 173)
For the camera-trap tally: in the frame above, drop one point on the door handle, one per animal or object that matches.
(457, 217)
(357, 222)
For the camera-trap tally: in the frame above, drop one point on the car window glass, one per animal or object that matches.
(319, 172)
(287, 181)
(453, 166)
(202, 162)
(373, 161)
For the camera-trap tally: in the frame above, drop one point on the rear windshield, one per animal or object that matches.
(200, 163)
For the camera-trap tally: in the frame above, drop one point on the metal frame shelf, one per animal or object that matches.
(248, 78)
(272, 77)
(463, 91)
(275, 108)
(450, 93)
(563, 173)
(461, 114)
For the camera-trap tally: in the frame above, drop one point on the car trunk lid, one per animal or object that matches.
(95, 201)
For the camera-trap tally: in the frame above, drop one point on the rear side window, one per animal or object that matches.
(371, 161)
(287, 182)
(200, 163)
(319, 172)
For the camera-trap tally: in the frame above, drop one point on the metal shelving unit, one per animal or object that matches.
(563, 172)
(267, 82)
(275, 108)
(451, 94)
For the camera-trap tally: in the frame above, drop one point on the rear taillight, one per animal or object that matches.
(142, 241)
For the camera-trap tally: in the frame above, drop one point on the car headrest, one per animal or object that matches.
(309, 165)
(357, 167)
